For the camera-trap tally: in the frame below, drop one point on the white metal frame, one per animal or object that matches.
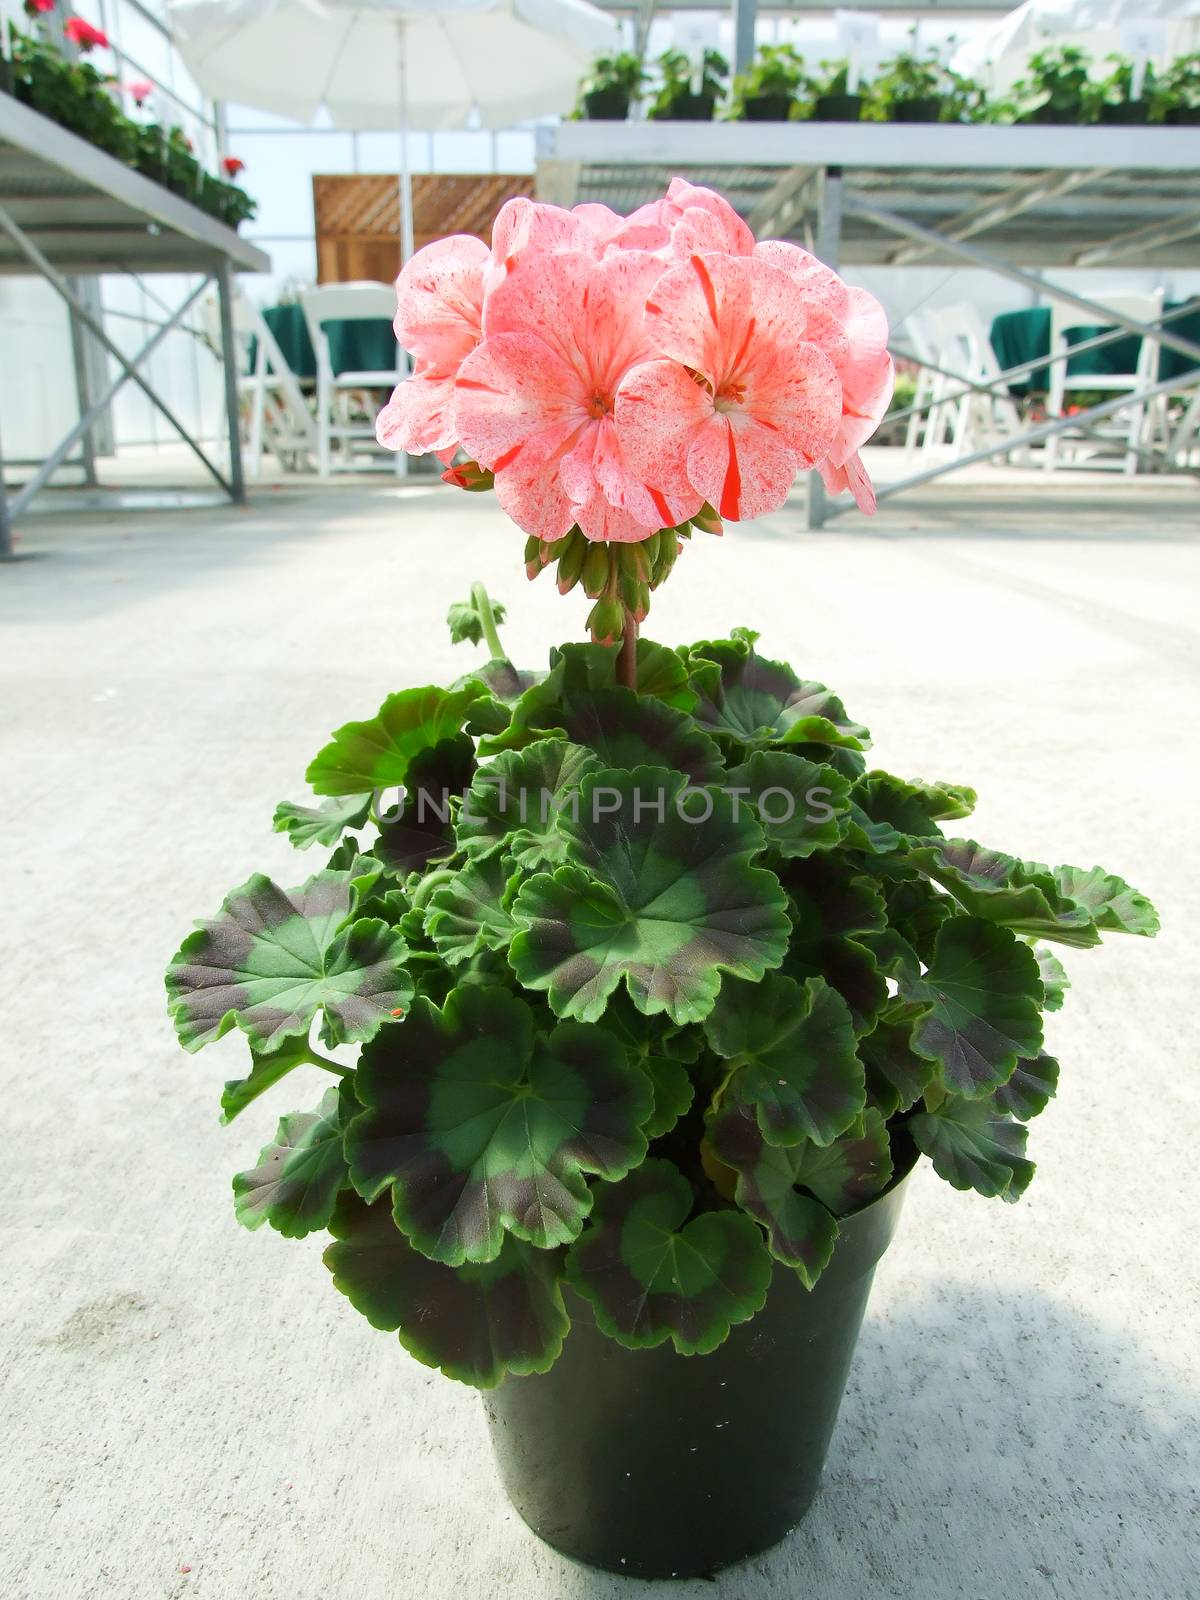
(280, 418)
(347, 302)
(94, 215)
(1131, 427)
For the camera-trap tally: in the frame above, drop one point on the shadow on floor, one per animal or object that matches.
(958, 1411)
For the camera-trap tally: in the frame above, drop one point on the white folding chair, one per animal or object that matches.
(918, 338)
(1185, 436)
(280, 419)
(984, 415)
(349, 302)
(1132, 426)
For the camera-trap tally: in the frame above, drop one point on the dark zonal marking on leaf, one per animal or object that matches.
(515, 802)
(473, 1323)
(375, 754)
(896, 1076)
(1113, 906)
(628, 730)
(274, 958)
(1000, 889)
(1030, 1089)
(298, 1176)
(472, 913)
(760, 702)
(481, 1127)
(323, 824)
(664, 903)
(421, 828)
(660, 672)
(974, 1146)
(793, 1050)
(502, 680)
(802, 805)
(831, 899)
(652, 1276)
(983, 990)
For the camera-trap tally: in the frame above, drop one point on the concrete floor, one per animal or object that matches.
(189, 1410)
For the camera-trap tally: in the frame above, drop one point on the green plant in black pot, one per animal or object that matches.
(921, 88)
(1115, 98)
(1058, 87)
(610, 88)
(1176, 95)
(767, 91)
(685, 95)
(829, 96)
(73, 94)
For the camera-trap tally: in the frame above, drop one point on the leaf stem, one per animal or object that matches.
(316, 1059)
(482, 603)
(627, 660)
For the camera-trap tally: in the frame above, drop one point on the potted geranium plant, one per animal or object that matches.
(656, 989)
(1116, 101)
(829, 95)
(766, 91)
(688, 92)
(912, 87)
(611, 87)
(1176, 95)
(1059, 87)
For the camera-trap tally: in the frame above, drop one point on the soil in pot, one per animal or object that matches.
(658, 1465)
(916, 111)
(768, 107)
(837, 108)
(606, 105)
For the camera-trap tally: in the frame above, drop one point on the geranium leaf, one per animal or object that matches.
(793, 1050)
(892, 953)
(266, 1069)
(535, 714)
(420, 828)
(465, 620)
(974, 1146)
(896, 1075)
(323, 824)
(1112, 905)
(832, 900)
(483, 1127)
(651, 1275)
(802, 805)
(760, 702)
(1006, 891)
(909, 809)
(475, 1323)
(514, 803)
(503, 681)
(1054, 978)
(298, 1176)
(657, 899)
(793, 1191)
(674, 1092)
(1030, 1089)
(659, 672)
(471, 913)
(661, 1051)
(849, 967)
(376, 754)
(629, 730)
(274, 958)
(983, 990)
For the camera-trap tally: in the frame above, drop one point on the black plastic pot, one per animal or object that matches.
(1125, 111)
(1059, 116)
(837, 108)
(659, 1465)
(1182, 115)
(767, 107)
(690, 108)
(606, 105)
(916, 110)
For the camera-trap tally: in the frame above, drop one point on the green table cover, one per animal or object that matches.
(1019, 336)
(359, 346)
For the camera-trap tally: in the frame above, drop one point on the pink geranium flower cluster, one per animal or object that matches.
(619, 373)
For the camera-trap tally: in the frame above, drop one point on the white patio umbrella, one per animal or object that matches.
(393, 64)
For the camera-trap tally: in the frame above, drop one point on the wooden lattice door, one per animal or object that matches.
(358, 217)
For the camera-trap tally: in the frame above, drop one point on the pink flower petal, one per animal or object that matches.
(529, 491)
(794, 392)
(439, 300)
(523, 224)
(419, 417)
(511, 389)
(723, 229)
(659, 407)
(850, 475)
(742, 468)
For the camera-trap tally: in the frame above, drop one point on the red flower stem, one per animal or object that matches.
(627, 660)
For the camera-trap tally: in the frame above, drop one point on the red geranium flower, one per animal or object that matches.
(84, 35)
(233, 165)
(34, 7)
